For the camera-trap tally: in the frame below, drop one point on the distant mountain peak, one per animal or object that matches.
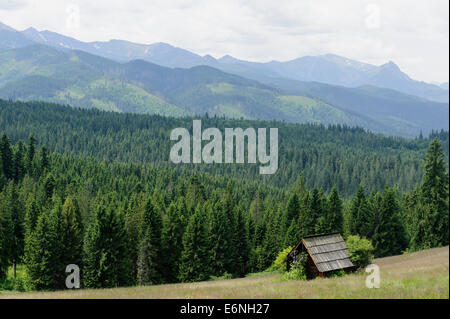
(228, 59)
(391, 66)
(162, 45)
(30, 29)
(5, 27)
(209, 58)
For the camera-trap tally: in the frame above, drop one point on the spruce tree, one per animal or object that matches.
(292, 210)
(435, 196)
(30, 155)
(242, 245)
(336, 218)
(6, 157)
(6, 235)
(390, 236)
(106, 259)
(150, 267)
(72, 231)
(172, 235)
(44, 251)
(16, 212)
(219, 239)
(292, 235)
(195, 264)
(230, 229)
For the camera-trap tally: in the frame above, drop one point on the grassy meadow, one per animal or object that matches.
(423, 274)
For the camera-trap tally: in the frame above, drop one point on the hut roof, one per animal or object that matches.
(328, 252)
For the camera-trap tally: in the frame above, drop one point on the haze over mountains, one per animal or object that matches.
(328, 68)
(159, 78)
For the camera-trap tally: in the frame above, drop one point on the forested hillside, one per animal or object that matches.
(336, 155)
(127, 223)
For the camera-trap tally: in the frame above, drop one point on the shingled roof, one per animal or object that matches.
(328, 252)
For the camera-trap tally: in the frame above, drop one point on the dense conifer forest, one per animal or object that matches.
(95, 189)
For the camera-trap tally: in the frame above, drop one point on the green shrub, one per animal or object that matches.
(335, 273)
(223, 277)
(361, 251)
(297, 272)
(278, 264)
(22, 281)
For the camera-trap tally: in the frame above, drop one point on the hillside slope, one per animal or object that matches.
(84, 80)
(422, 274)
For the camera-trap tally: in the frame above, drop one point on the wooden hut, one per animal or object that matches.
(324, 253)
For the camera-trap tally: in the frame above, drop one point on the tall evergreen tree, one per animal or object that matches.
(6, 235)
(390, 236)
(195, 264)
(435, 196)
(6, 157)
(72, 231)
(16, 212)
(172, 235)
(242, 245)
(336, 218)
(292, 210)
(150, 268)
(30, 155)
(220, 239)
(106, 259)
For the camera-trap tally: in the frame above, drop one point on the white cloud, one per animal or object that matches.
(11, 4)
(414, 34)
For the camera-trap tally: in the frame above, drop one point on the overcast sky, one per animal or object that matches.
(413, 34)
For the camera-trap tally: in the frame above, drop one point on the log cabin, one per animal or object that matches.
(324, 253)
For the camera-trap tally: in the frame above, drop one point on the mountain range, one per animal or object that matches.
(328, 68)
(159, 78)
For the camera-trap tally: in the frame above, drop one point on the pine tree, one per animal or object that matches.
(292, 210)
(39, 258)
(292, 235)
(336, 218)
(106, 259)
(195, 264)
(30, 155)
(230, 229)
(72, 230)
(242, 245)
(435, 196)
(16, 213)
(44, 251)
(133, 220)
(361, 216)
(45, 162)
(6, 235)
(313, 213)
(18, 162)
(172, 235)
(219, 239)
(150, 268)
(390, 236)
(272, 239)
(6, 157)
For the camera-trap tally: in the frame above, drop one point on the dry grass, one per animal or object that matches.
(422, 274)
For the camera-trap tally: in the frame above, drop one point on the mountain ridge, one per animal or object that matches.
(328, 68)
